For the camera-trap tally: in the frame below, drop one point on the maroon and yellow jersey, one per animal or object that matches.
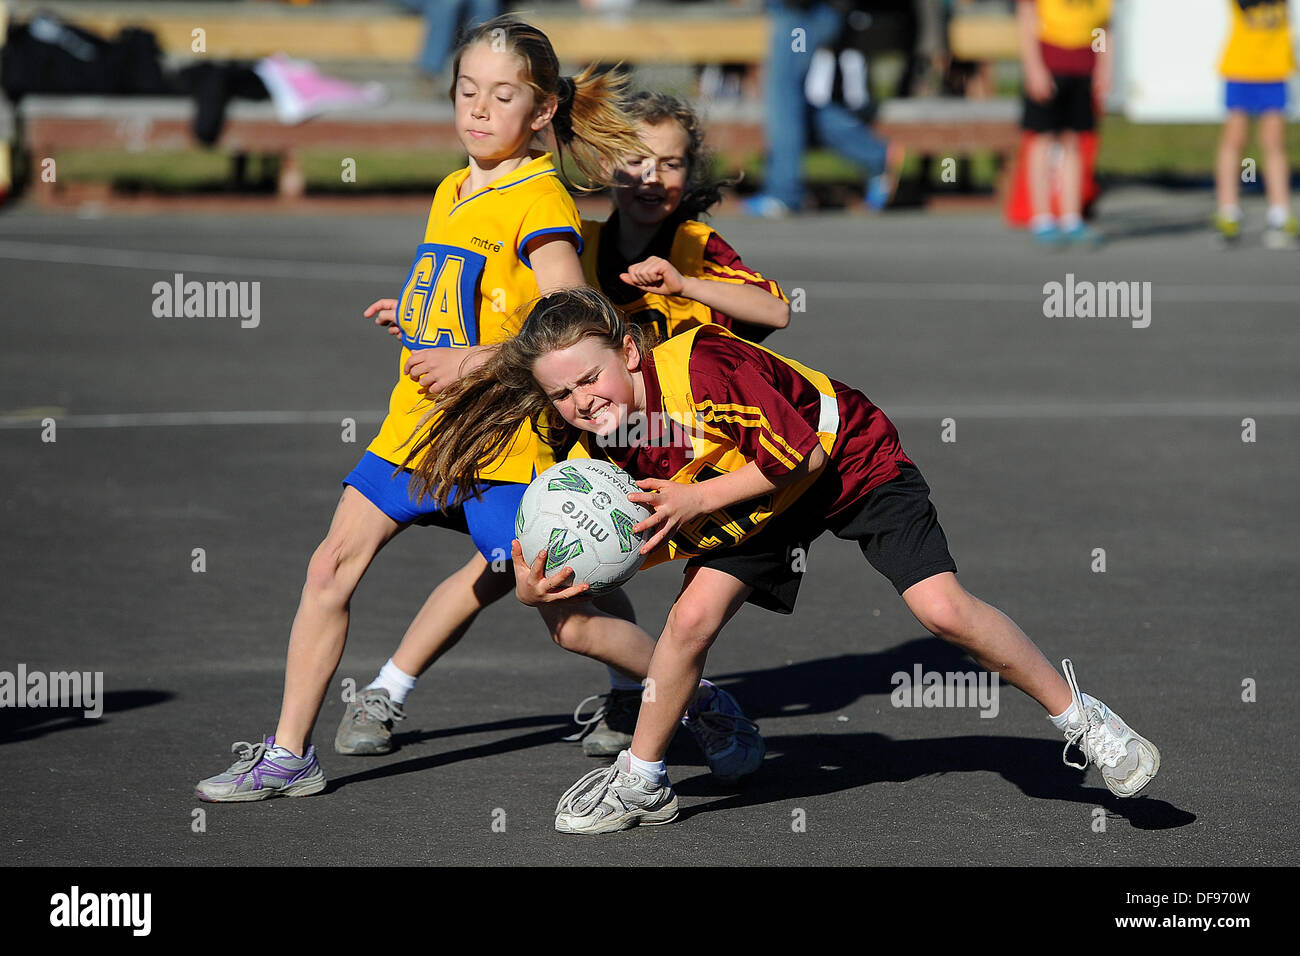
(1066, 33)
(695, 250)
(715, 403)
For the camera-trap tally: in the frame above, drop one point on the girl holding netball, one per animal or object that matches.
(780, 454)
(663, 269)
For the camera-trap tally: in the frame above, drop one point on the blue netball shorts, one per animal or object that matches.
(489, 520)
(1256, 98)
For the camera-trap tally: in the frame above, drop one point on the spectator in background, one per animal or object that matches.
(930, 56)
(802, 29)
(1256, 64)
(1066, 60)
(445, 20)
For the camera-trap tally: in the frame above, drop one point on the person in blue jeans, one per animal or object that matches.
(789, 115)
(445, 18)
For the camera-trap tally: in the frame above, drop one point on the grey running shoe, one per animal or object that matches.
(609, 729)
(258, 774)
(614, 798)
(730, 740)
(367, 724)
(1126, 759)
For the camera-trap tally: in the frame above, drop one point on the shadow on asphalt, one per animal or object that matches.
(1120, 228)
(554, 727)
(806, 765)
(28, 723)
(833, 683)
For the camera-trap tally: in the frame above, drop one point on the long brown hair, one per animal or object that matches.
(587, 117)
(473, 420)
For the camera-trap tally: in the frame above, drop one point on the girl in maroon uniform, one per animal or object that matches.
(778, 453)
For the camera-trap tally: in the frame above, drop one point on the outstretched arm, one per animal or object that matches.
(747, 303)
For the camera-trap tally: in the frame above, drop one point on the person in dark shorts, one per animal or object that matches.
(749, 455)
(1065, 55)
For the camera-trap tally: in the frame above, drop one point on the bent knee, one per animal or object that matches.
(946, 614)
(567, 629)
(693, 627)
(333, 572)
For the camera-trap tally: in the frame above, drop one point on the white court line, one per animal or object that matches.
(1036, 411)
(158, 261)
(1052, 410)
(993, 292)
(155, 261)
(188, 419)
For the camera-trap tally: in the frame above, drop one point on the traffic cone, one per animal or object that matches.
(1019, 210)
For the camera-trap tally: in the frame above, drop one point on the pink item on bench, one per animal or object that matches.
(299, 91)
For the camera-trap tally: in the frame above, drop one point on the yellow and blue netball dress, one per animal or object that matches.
(470, 276)
(1258, 58)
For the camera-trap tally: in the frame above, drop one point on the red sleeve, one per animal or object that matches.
(722, 262)
(744, 397)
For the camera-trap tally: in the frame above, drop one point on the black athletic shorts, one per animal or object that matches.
(895, 525)
(1070, 108)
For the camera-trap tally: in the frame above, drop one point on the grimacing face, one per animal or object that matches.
(591, 385)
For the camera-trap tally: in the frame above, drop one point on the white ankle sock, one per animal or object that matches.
(396, 681)
(618, 682)
(656, 772)
(1039, 223)
(1071, 221)
(1230, 213)
(1277, 216)
(1062, 721)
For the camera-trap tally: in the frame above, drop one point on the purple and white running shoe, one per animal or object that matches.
(261, 772)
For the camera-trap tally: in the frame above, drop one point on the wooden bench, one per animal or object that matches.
(52, 124)
(940, 127)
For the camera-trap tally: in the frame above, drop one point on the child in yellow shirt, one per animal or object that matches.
(1256, 63)
(1063, 52)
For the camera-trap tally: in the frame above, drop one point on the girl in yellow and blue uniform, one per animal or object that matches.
(1257, 61)
(499, 231)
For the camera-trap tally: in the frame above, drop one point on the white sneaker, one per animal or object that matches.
(1282, 237)
(1126, 759)
(615, 798)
